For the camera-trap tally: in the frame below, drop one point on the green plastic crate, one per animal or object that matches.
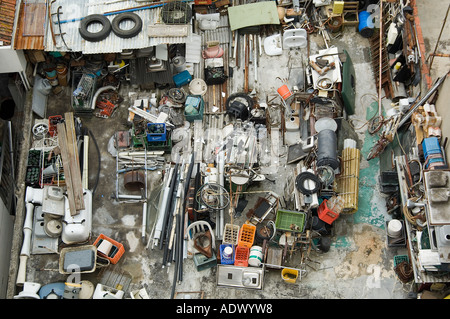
(286, 218)
(399, 259)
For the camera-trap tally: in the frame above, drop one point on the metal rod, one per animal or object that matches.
(380, 59)
(167, 207)
(423, 100)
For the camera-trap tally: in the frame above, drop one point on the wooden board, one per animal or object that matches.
(74, 161)
(62, 141)
(35, 14)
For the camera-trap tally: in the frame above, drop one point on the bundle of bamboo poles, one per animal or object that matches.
(348, 181)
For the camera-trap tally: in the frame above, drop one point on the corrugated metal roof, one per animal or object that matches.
(7, 13)
(72, 10)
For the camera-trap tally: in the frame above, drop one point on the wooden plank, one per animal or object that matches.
(74, 161)
(62, 141)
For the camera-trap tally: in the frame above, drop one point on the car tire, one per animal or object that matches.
(95, 36)
(126, 33)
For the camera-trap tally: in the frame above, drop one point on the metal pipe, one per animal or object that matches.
(162, 207)
(423, 100)
(168, 206)
(26, 246)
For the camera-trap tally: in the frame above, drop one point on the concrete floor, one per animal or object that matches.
(359, 264)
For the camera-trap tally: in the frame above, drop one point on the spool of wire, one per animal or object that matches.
(213, 196)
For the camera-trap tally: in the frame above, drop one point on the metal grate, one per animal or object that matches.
(176, 12)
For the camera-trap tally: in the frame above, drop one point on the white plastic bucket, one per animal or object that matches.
(255, 257)
(394, 228)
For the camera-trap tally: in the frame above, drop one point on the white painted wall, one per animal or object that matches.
(12, 60)
(6, 235)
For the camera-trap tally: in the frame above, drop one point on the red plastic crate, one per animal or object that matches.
(241, 255)
(325, 214)
(120, 248)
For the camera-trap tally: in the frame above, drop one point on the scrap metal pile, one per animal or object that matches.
(219, 201)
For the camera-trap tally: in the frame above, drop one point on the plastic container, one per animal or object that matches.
(182, 78)
(193, 108)
(116, 251)
(325, 214)
(224, 257)
(284, 92)
(202, 262)
(365, 26)
(241, 256)
(246, 235)
(156, 132)
(394, 228)
(255, 257)
(430, 146)
(290, 220)
(289, 275)
(230, 234)
(399, 259)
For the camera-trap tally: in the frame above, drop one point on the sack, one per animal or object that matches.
(215, 75)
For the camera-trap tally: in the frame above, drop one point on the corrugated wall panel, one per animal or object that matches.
(112, 44)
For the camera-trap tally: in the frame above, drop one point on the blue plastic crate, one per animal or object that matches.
(223, 260)
(430, 145)
(156, 132)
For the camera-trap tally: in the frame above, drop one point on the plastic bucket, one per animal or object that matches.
(255, 257)
(365, 26)
(289, 275)
(284, 92)
(394, 228)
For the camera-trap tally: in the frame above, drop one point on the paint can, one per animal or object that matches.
(61, 70)
(394, 228)
(256, 256)
(284, 92)
(52, 76)
(227, 252)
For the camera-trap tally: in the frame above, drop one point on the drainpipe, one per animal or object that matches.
(99, 91)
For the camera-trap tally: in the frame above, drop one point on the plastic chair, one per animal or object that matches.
(195, 229)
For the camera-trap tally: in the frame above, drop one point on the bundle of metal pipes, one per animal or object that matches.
(170, 227)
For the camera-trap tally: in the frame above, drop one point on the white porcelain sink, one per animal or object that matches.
(77, 228)
(295, 38)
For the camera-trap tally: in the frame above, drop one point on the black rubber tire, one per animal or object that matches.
(302, 177)
(126, 33)
(183, 9)
(95, 36)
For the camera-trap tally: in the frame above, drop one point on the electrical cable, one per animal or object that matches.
(302, 178)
